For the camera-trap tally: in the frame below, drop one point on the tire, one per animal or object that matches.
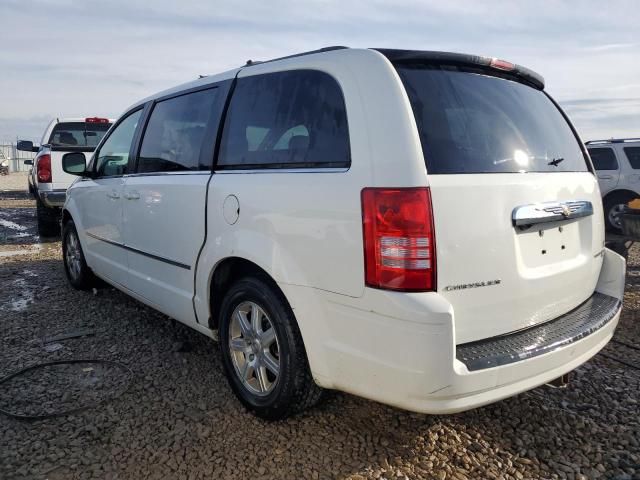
(613, 205)
(48, 220)
(78, 272)
(273, 341)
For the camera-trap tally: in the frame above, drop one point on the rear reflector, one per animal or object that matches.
(44, 168)
(502, 64)
(399, 248)
(96, 120)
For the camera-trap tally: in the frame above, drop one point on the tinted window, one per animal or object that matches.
(113, 156)
(294, 119)
(474, 123)
(603, 158)
(78, 134)
(174, 135)
(633, 154)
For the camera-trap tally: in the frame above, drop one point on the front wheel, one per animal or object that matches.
(78, 272)
(262, 351)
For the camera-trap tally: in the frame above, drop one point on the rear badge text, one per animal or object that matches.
(464, 286)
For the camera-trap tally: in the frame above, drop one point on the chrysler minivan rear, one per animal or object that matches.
(492, 278)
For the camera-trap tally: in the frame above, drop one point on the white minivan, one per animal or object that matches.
(419, 228)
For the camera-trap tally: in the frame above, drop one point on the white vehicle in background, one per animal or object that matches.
(422, 229)
(617, 164)
(4, 164)
(48, 182)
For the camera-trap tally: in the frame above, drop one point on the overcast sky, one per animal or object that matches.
(95, 58)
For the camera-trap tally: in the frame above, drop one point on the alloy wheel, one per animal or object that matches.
(615, 215)
(253, 344)
(73, 256)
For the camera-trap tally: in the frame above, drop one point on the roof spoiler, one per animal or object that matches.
(448, 58)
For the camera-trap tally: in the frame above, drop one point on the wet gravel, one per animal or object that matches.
(175, 417)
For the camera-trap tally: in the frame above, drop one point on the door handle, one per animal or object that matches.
(132, 196)
(113, 195)
(605, 177)
(527, 215)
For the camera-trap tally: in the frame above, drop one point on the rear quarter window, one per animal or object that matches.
(293, 119)
(633, 155)
(470, 122)
(603, 158)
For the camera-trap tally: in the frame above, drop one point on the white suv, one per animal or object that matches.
(423, 229)
(617, 163)
(47, 181)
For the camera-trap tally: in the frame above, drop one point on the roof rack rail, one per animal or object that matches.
(310, 52)
(613, 140)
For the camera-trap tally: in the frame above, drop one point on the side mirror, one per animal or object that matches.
(27, 146)
(28, 161)
(74, 163)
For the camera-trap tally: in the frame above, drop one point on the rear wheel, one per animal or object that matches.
(613, 208)
(48, 220)
(262, 351)
(78, 272)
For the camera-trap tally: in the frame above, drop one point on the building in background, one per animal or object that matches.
(16, 158)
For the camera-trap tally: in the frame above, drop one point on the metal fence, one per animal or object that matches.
(16, 158)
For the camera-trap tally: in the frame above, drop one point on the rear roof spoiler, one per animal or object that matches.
(449, 58)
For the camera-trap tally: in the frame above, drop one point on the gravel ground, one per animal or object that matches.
(167, 411)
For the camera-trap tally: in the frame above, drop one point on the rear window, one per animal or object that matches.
(603, 158)
(633, 154)
(294, 119)
(78, 134)
(474, 123)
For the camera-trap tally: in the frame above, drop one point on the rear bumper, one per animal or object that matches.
(53, 198)
(400, 349)
(588, 318)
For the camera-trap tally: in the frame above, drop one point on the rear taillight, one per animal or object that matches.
(399, 240)
(44, 168)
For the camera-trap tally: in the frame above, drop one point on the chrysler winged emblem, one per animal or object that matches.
(525, 216)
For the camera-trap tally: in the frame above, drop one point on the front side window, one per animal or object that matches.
(470, 122)
(294, 119)
(603, 158)
(633, 154)
(113, 156)
(78, 134)
(174, 135)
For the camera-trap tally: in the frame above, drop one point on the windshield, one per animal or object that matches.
(78, 134)
(475, 123)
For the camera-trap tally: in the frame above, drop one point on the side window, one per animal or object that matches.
(603, 158)
(175, 133)
(294, 119)
(113, 156)
(633, 154)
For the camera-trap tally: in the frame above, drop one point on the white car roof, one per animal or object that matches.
(80, 119)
